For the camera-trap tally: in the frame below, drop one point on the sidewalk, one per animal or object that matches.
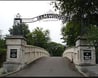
(88, 71)
(1, 71)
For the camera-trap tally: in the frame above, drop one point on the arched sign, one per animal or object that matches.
(19, 20)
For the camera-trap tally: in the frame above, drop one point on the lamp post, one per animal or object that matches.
(17, 19)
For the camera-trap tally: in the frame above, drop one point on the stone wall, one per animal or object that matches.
(81, 54)
(32, 53)
(72, 54)
(19, 54)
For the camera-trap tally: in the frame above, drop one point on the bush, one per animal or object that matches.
(97, 55)
(2, 51)
(2, 56)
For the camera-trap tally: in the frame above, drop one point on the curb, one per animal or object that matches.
(79, 69)
(84, 71)
(3, 75)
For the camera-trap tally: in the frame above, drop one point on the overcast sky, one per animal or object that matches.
(29, 9)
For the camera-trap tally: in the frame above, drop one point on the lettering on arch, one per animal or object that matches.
(50, 16)
(34, 19)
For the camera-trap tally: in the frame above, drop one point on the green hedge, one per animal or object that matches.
(97, 55)
(2, 56)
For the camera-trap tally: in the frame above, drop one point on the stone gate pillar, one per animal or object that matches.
(86, 52)
(15, 52)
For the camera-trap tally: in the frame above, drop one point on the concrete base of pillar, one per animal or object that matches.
(12, 66)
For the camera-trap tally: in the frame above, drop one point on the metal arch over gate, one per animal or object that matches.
(19, 20)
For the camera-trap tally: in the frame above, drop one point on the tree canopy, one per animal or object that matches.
(83, 11)
(55, 49)
(92, 34)
(20, 29)
(2, 51)
(70, 32)
(79, 8)
(39, 37)
(2, 46)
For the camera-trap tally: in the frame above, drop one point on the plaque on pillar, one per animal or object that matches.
(87, 54)
(13, 53)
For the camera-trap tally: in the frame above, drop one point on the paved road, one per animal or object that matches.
(49, 67)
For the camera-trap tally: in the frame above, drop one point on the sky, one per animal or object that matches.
(29, 9)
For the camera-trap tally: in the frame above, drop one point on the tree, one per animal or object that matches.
(70, 32)
(83, 11)
(20, 29)
(2, 46)
(55, 49)
(2, 51)
(39, 37)
(92, 37)
(92, 34)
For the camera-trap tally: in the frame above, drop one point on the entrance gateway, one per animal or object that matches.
(84, 50)
(19, 20)
(19, 54)
(17, 47)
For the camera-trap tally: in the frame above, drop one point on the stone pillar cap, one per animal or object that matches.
(15, 37)
(81, 37)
